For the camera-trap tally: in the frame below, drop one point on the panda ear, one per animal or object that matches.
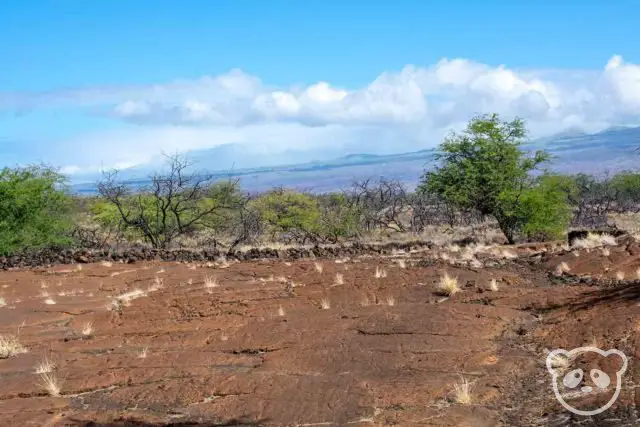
(618, 359)
(557, 360)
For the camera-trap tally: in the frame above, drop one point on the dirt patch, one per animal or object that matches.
(366, 340)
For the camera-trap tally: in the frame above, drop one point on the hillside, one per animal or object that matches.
(608, 151)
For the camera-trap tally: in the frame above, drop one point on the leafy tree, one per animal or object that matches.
(107, 216)
(340, 219)
(484, 168)
(626, 186)
(544, 209)
(287, 212)
(35, 210)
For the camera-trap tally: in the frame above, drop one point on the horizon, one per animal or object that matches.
(264, 85)
(597, 155)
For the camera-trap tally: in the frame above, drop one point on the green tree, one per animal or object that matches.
(340, 219)
(288, 212)
(484, 168)
(35, 210)
(544, 209)
(626, 188)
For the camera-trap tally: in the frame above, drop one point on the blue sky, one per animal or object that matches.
(113, 83)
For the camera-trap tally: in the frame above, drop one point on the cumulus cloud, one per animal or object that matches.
(413, 107)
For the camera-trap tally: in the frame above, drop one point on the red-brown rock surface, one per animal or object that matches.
(258, 348)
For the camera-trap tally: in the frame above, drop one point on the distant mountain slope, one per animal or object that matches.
(611, 150)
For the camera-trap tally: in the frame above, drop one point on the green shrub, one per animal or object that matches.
(287, 212)
(626, 187)
(545, 211)
(35, 210)
(340, 219)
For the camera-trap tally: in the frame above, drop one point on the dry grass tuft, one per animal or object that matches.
(448, 285)
(47, 365)
(10, 346)
(126, 298)
(51, 383)
(210, 282)
(107, 264)
(606, 251)
(620, 275)
(280, 311)
(391, 301)
(143, 353)
(325, 304)
(402, 263)
(88, 330)
(380, 273)
(318, 267)
(157, 284)
(462, 392)
(562, 268)
(339, 280)
(49, 301)
(493, 285)
(3, 302)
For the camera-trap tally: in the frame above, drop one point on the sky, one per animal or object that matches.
(94, 85)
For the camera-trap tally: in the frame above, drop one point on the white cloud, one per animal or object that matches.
(409, 109)
(624, 81)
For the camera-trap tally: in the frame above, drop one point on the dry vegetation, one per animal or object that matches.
(10, 346)
(462, 392)
(448, 286)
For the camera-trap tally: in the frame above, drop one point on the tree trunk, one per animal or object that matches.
(506, 229)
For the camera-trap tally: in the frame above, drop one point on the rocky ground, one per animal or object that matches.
(364, 340)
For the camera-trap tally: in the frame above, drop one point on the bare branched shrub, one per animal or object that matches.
(175, 203)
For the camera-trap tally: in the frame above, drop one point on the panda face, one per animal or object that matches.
(586, 380)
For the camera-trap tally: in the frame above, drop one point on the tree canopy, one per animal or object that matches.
(485, 168)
